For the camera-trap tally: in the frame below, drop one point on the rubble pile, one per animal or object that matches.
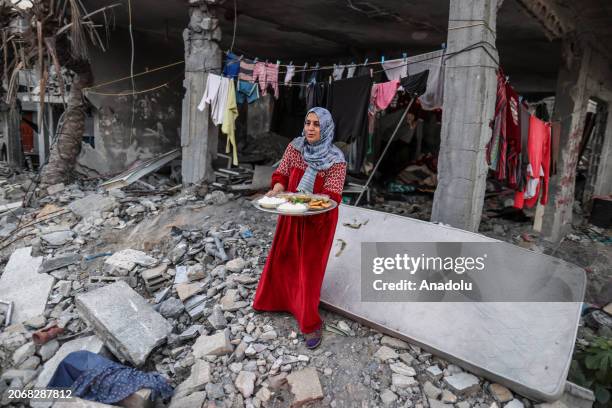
(165, 283)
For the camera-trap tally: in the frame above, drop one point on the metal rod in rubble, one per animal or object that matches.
(365, 187)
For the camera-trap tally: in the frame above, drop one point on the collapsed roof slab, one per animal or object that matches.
(526, 346)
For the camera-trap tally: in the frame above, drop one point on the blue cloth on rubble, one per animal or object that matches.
(246, 92)
(95, 378)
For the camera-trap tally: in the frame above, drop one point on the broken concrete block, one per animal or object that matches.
(55, 188)
(438, 404)
(431, 390)
(196, 399)
(196, 272)
(434, 372)
(123, 262)
(463, 383)
(200, 376)
(187, 290)
(245, 382)
(235, 265)
(394, 343)
(126, 322)
(21, 284)
(305, 386)
(385, 353)
(216, 345)
(90, 343)
(154, 278)
(402, 381)
(23, 353)
(514, 404)
(500, 393)
(448, 397)
(180, 275)
(403, 369)
(24, 376)
(388, 397)
(57, 262)
(92, 206)
(58, 238)
(48, 350)
(35, 322)
(171, 307)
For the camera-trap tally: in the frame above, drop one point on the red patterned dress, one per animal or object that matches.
(292, 277)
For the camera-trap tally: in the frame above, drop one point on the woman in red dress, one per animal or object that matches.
(292, 277)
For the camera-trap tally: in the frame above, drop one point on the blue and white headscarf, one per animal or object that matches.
(320, 155)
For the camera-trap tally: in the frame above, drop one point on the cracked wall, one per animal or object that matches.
(126, 128)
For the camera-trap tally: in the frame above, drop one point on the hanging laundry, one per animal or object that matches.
(513, 136)
(231, 68)
(434, 62)
(395, 69)
(338, 71)
(267, 75)
(363, 70)
(290, 73)
(229, 122)
(382, 94)
(302, 94)
(246, 70)
(350, 70)
(538, 168)
(317, 94)
(415, 84)
(349, 107)
(215, 95)
(524, 121)
(246, 92)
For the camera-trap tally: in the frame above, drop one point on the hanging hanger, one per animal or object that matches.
(255, 60)
(404, 56)
(291, 63)
(366, 62)
(382, 59)
(277, 62)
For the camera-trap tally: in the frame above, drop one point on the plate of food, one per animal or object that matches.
(299, 204)
(271, 202)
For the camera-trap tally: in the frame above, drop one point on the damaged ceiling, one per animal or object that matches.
(345, 30)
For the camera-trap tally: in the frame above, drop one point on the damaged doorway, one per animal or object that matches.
(590, 153)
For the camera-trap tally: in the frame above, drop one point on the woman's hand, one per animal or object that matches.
(278, 188)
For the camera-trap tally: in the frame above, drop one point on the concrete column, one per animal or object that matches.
(603, 184)
(571, 103)
(469, 102)
(199, 136)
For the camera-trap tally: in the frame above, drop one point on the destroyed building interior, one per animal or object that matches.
(127, 224)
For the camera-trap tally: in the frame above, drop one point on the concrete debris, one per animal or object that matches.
(245, 382)
(24, 286)
(122, 262)
(463, 383)
(500, 393)
(167, 281)
(216, 345)
(126, 322)
(305, 386)
(92, 206)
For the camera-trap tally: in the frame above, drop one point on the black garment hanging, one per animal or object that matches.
(317, 95)
(349, 102)
(415, 84)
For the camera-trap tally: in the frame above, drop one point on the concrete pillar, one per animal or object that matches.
(603, 183)
(469, 103)
(10, 135)
(199, 136)
(571, 103)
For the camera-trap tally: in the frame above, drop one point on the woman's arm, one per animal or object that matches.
(334, 181)
(280, 177)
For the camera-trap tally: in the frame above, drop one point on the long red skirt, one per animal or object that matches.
(292, 277)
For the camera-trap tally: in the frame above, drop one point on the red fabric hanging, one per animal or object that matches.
(292, 277)
(538, 147)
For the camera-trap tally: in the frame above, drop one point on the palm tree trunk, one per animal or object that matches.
(64, 153)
